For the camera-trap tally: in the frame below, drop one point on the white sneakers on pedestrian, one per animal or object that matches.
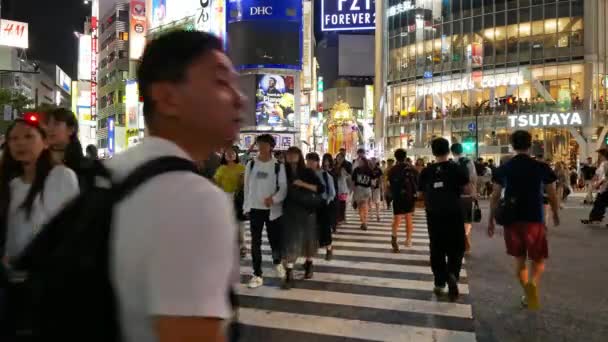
(280, 271)
(255, 282)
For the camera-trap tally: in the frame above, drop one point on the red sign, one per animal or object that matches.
(94, 38)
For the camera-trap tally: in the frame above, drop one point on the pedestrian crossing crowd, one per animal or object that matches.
(141, 248)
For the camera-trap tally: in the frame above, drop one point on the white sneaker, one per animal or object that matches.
(255, 282)
(280, 271)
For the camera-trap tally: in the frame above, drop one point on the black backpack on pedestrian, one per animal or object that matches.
(439, 194)
(403, 183)
(68, 262)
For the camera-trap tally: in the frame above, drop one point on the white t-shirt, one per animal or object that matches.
(174, 245)
(261, 182)
(60, 187)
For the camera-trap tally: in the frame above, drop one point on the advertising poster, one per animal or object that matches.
(137, 33)
(132, 103)
(159, 12)
(111, 136)
(275, 101)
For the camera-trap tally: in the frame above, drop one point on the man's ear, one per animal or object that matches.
(166, 99)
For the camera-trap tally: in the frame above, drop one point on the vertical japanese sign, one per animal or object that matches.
(84, 57)
(94, 51)
(111, 136)
(137, 31)
(307, 46)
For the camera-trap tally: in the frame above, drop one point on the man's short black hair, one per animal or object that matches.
(266, 138)
(440, 147)
(521, 140)
(167, 59)
(400, 155)
(361, 151)
(457, 149)
(313, 156)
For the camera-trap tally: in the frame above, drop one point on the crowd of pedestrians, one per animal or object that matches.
(172, 255)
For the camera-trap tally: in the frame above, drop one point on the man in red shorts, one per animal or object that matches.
(524, 179)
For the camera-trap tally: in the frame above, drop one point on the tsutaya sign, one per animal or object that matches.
(545, 120)
(468, 83)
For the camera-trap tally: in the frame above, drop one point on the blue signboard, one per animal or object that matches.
(471, 126)
(348, 15)
(255, 10)
(265, 33)
(111, 137)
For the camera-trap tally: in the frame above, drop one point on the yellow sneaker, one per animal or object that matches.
(532, 296)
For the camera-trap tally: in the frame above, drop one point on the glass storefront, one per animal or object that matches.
(459, 68)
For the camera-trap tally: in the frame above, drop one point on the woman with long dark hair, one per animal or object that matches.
(62, 130)
(300, 237)
(32, 190)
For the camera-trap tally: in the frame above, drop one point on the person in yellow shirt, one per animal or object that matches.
(229, 177)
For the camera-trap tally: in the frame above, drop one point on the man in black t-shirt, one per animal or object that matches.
(524, 181)
(588, 171)
(441, 184)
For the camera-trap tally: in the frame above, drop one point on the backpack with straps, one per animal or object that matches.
(68, 262)
(463, 162)
(403, 182)
(439, 195)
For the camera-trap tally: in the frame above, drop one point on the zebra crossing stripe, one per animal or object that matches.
(349, 328)
(363, 265)
(361, 301)
(355, 280)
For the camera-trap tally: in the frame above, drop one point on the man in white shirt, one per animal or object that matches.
(600, 183)
(174, 252)
(467, 198)
(265, 190)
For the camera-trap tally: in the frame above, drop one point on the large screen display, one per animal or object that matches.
(265, 33)
(348, 15)
(275, 101)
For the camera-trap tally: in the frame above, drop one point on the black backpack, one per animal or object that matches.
(404, 183)
(439, 195)
(464, 166)
(68, 263)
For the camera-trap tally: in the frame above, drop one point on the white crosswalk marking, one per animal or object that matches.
(365, 293)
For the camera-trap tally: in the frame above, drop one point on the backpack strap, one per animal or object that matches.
(277, 170)
(150, 170)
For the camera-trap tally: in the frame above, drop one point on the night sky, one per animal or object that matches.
(52, 24)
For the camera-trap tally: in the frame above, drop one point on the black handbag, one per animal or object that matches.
(476, 212)
(305, 198)
(505, 211)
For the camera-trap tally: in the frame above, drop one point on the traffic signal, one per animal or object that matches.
(468, 145)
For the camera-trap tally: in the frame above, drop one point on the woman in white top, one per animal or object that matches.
(32, 189)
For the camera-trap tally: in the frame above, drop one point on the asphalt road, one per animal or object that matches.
(574, 297)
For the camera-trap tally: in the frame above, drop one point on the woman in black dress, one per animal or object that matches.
(299, 221)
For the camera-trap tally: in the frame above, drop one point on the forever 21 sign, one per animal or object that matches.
(346, 15)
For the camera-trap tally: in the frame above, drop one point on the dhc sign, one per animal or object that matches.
(348, 15)
(545, 120)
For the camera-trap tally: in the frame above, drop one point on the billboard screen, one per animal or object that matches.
(348, 15)
(265, 33)
(137, 30)
(84, 57)
(275, 101)
(14, 33)
(355, 57)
